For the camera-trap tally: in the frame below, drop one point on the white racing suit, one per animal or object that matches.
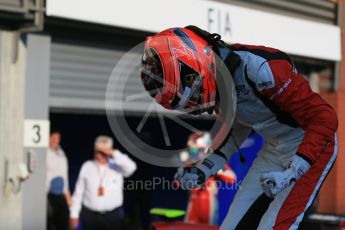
(278, 104)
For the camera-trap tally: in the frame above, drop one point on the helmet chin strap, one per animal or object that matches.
(184, 99)
(189, 93)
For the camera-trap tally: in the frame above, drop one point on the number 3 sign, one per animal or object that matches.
(36, 133)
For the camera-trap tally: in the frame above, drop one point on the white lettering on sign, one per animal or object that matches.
(218, 21)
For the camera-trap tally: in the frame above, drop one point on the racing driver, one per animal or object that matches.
(179, 70)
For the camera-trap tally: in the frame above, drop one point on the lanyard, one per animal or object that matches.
(101, 177)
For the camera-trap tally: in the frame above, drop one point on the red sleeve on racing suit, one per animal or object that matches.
(292, 94)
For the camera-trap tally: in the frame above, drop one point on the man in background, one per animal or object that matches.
(98, 196)
(59, 197)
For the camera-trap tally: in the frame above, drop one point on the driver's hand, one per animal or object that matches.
(275, 182)
(194, 176)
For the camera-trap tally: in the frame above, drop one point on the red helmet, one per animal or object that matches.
(179, 70)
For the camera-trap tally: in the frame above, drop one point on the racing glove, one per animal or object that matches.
(275, 182)
(194, 176)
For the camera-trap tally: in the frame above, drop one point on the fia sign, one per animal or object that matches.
(218, 21)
